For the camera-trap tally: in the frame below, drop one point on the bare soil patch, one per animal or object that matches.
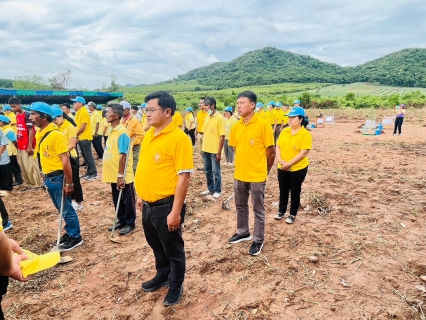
(362, 215)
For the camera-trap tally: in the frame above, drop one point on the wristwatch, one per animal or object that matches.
(120, 176)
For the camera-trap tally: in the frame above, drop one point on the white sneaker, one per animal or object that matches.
(216, 195)
(76, 206)
(204, 193)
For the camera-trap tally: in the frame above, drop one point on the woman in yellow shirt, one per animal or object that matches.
(190, 124)
(293, 145)
(66, 126)
(229, 122)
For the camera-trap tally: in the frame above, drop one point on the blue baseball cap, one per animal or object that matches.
(297, 101)
(99, 107)
(271, 103)
(228, 109)
(4, 119)
(143, 105)
(79, 99)
(279, 104)
(297, 111)
(41, 107)
(56, 112)
(7, 108)
(189, 109)
(259, 105)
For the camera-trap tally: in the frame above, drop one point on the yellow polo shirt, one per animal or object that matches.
(134, 127)
(213, 129)
(279, 115)
(228, 125)
(69, 131)
(11, 149)
(1, 224)
(107, 125)
(162, 158)
(261, 114)
(12, 118)
(177, 118)
(271, 116)
(291, 144)
(82, 116)
(94, 119)
(285, 116)
(250, 141)
(115, 145)
(50, 149)
(188, 119)
(201, 115)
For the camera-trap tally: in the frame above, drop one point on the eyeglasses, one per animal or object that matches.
(149, 111)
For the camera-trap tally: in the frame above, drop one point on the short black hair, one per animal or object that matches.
(210, 101)
(249, 95)
(67, 105)
(117, 109)
(134, 107)
(305, 121)
(165, 100)
(14, 100)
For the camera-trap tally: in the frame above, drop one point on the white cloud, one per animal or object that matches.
(149, 41)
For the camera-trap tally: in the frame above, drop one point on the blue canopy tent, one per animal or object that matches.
(58, 97)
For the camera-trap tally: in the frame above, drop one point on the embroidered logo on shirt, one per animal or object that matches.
(252, 142)
(157, 157)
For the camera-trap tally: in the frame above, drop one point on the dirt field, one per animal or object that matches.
(363, 217)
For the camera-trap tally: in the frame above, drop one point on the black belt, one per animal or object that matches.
(159, 202)
(54, 173)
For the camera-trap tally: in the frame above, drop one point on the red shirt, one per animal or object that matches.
(24, 126)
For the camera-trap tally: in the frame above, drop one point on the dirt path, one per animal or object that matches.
(363, 217)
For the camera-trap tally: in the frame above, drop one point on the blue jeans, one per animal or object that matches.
(212, 171)
(54, 187)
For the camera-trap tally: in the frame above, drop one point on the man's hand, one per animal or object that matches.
(285, 166)
(173, 221)
(30, 150)
(120, 184)
(68, 191)
(18, 255)
(218, 157)
(139, 202)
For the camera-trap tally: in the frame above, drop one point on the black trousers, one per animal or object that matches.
(4, 282)
(78, 190)
(191, 134)
(168, 247)
(290, 181)
(5, 184)
(127, 208)
(97, 145)
(398, 124)
(86, 152)
(15, 168)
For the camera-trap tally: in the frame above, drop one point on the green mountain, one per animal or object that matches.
(271, 65)
(406, 68)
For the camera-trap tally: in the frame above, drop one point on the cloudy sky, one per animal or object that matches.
(147, 41)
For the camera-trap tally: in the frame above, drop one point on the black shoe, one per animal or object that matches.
(126, 229)
(279, 216)
(84, 176)
(64, 238)
(83, 164)
(155, 283)
(290, 219)
(118, 225)
(236, 238)
(173, 296)
(91, 177)
(17, 183)
(70, 244)
(256, 248)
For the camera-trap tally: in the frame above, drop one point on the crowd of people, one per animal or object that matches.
(147, 157)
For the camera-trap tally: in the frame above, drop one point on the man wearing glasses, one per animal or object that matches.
(161, 183)
(84, 137)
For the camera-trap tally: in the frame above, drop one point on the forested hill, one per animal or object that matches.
(271, 65)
